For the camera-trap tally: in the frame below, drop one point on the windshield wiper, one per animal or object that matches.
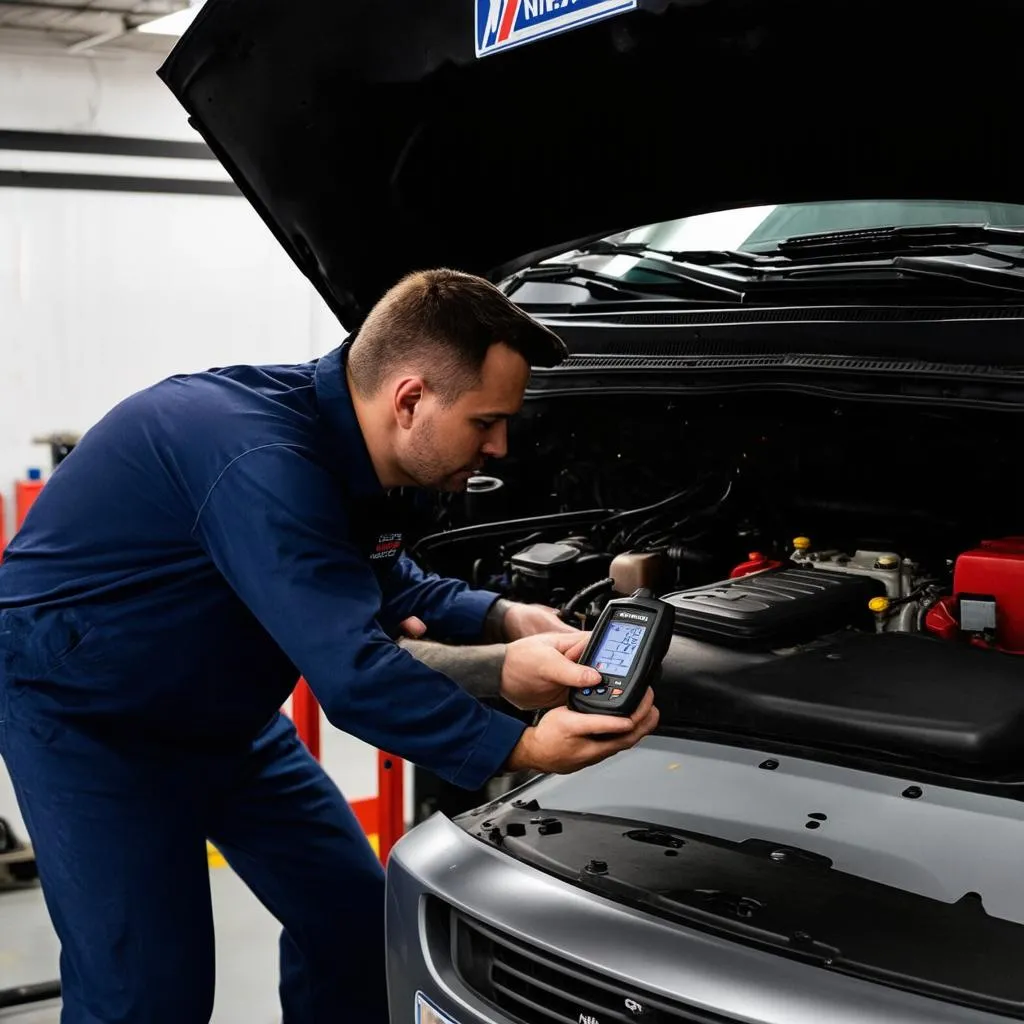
(939, 239)
(896, 269)
(859, 256)
(599, 285)
(902, 258)
(678, 282)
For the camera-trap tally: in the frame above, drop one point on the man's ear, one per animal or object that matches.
(407, 396)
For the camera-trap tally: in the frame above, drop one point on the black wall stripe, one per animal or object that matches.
(115, 183)
(110, 145)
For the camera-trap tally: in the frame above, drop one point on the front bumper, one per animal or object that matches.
(438, 866)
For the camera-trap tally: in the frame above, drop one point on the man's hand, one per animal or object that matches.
(522, 620)
(413, 627)
(563, 740)
(538, 671)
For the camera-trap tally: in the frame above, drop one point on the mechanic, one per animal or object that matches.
(209, 540)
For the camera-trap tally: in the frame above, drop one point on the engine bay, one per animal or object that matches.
(843, 696)
(846, 576)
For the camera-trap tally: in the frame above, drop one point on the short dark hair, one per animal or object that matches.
(443, 322)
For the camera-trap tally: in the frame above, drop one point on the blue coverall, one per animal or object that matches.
(211, 539)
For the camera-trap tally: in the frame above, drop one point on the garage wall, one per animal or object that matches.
(104, 291)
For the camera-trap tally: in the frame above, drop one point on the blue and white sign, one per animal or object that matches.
(502, 24)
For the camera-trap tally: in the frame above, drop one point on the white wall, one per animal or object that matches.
(102, 293)
(104, 94)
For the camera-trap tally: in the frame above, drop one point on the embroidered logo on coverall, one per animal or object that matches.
(388, 545)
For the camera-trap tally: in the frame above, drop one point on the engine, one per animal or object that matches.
(889, 632)
(861, 652)
(708, 495)
(774, 603)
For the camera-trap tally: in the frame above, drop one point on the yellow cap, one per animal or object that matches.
(879, 604)
(802, 543)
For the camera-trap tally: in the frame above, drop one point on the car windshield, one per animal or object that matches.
(788, 252)
(761, 228)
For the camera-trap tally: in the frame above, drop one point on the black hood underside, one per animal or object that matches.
(373, 140)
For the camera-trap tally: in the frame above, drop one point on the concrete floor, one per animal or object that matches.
(246, 954)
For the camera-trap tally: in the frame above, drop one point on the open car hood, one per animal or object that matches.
(373, 139)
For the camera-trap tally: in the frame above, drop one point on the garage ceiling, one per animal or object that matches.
(80, 26)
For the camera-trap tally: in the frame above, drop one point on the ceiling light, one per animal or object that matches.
(175, 24)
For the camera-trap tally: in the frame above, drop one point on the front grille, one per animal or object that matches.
(532, 987)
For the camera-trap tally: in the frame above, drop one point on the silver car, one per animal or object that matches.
(784, 243)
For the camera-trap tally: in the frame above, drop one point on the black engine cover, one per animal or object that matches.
(910, 697)
(775, 609)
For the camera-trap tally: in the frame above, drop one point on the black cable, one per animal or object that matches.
(922, 588)
(657, 506)
(585, 595)
(707, 510)
(626, 535)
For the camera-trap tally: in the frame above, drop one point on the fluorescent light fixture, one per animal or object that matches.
(175, 24)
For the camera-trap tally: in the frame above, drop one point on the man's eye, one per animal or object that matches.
(485, 424)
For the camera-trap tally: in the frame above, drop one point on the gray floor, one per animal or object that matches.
(246, 954)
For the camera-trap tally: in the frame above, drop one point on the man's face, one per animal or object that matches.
(443, 446)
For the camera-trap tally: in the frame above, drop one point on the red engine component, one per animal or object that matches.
(757, 563)
(992, 572)
(941, 619)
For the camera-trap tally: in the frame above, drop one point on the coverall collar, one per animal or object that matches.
(335, 403)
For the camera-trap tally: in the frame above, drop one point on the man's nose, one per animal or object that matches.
(496, 445)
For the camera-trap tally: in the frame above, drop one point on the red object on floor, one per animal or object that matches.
(306, 716)
(996, 569)
(25, 493)
(390, 802)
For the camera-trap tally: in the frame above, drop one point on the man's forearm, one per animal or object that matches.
(477, 669)
(494, 623)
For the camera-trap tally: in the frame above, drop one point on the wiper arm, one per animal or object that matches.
(941, 239)
(722, 286)
(599, 285)
(938, 238)
(885, 257)
(933, 266)
(855, 253)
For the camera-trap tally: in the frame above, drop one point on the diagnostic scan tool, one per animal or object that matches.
(627, 645)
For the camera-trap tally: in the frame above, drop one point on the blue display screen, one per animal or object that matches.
(618, 648)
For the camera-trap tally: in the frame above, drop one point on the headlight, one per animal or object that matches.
(428, 1013)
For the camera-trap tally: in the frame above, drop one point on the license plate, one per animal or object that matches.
(428, 1013)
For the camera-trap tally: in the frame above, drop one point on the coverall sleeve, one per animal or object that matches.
(275, 525)
(452, 612)
(475, 669)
